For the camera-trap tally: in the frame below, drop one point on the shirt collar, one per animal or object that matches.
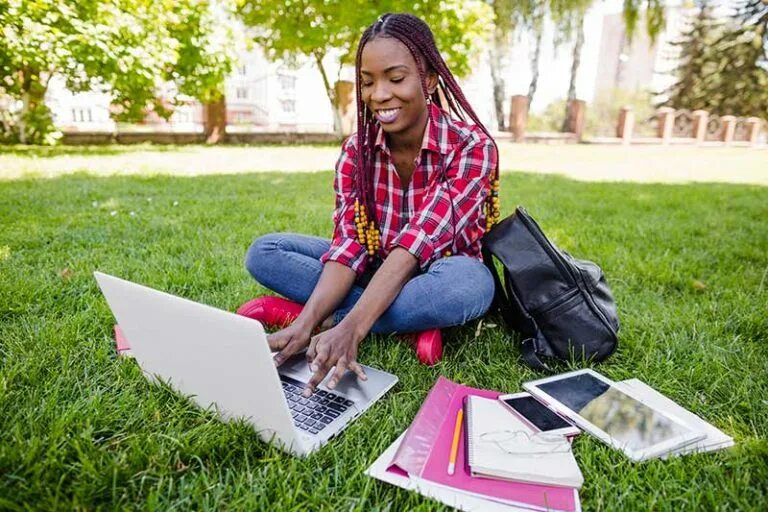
(435, 136)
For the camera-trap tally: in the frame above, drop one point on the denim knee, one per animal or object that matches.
(259, 256)
(463, 291)
(475, 289)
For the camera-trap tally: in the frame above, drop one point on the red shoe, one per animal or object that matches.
(429, 346)
(271, 311)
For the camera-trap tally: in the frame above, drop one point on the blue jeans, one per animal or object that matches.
(453, 290)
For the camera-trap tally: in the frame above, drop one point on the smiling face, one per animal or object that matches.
(391, 88)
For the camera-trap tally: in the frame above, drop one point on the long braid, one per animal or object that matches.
(416, 35)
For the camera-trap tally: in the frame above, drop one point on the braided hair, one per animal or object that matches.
(416, 35)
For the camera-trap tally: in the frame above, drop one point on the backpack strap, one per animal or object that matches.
(516, 317)
(529, 351)
(500, 300)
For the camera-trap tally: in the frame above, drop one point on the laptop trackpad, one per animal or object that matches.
(350, 386)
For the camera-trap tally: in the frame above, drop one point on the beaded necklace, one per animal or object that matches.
(493, 208)
(367, 233)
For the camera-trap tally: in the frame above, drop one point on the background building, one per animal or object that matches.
(275, 96)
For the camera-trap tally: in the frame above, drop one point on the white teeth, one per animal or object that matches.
(387, 116)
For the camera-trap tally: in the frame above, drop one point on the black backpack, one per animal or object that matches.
(561, 306)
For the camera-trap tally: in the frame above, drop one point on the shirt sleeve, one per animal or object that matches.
(430, 231)
(345, 248)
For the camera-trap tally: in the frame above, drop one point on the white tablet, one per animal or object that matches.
(614, 416)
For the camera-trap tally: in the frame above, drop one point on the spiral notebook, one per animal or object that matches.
(500, 445)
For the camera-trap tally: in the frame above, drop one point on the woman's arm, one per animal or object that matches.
(338, 345)
(334, 284)
(345, 259)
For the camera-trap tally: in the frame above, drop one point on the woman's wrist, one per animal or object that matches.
(306, 322)
(359, 328)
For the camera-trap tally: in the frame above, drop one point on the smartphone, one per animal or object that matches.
(537, 415)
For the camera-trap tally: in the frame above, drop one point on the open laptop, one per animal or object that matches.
(223, 359)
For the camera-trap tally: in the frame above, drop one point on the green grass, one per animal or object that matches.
(80, 429)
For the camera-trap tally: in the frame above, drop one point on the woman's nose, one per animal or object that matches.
(381, 92)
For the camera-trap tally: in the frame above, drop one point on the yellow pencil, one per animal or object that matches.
(455, 444)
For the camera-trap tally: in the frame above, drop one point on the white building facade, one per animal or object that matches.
(274, 96)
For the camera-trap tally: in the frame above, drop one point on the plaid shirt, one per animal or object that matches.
(420, 218)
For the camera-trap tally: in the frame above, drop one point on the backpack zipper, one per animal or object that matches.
(535, 230)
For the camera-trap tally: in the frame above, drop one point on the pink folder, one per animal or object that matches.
(426, 447)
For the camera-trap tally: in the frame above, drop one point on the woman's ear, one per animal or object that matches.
(431, 82)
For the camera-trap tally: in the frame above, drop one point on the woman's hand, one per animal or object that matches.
(335, 347)
(289, 341)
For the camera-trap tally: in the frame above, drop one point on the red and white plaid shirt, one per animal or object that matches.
(419, 219)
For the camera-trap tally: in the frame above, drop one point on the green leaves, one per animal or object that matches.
(723, 69)
(304, 27)
(314, 29)
(129, 48)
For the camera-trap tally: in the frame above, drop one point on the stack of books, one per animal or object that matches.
(499, 465)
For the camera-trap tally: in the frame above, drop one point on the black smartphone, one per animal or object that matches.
(537, 415)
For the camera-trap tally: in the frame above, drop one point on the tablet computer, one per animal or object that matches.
(616, 417)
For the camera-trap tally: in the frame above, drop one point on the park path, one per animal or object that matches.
(663, 164)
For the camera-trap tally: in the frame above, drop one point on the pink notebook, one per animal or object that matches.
(426, 447)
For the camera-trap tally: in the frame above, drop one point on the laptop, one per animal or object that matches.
(223, 360)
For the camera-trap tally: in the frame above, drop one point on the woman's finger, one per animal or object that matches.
(312, 350)
(315, 381)
(338, 373)
(358, 369)
(277, 341)
(321, 357)
(291, 348)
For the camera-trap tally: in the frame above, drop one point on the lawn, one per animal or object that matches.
(80, 429)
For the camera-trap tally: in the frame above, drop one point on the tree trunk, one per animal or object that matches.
(535, 67)
(215, 120)
(498, 91)
(23, 117)
(337, 127)
(567, 122)
(34, 87)
(497, 77)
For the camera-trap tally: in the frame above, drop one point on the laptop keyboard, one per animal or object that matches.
(315, 413)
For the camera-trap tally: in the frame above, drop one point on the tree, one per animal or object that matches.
(569, 16)
(730, 74)
(695, 62)
(536, 28)
(576, 17)
(318, 29)
(207, 48)
(742, 64)
(509, 17)
(128, 48)
(568, 19)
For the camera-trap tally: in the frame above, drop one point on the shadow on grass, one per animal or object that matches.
(119, 149)
(92, 150)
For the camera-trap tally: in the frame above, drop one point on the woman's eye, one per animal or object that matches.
(398, 79)
(367, 84)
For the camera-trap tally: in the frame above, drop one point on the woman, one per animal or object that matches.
(415, 191)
